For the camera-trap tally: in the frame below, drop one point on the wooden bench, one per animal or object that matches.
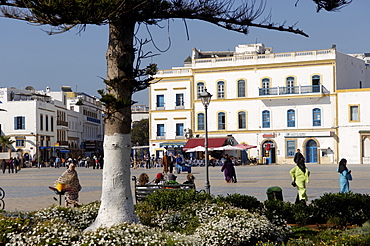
(141, 191)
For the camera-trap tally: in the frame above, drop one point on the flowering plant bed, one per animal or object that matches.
(180, 218)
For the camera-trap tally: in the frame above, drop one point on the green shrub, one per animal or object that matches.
(240, 201)
(276, 210)
(145, 213)
(352, 208)
(302, 213)
(174, 199)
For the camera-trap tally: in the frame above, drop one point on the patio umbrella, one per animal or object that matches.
(195, 149)
(245, 146)
(228, 147)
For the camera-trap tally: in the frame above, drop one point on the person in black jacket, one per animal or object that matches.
(298, 156)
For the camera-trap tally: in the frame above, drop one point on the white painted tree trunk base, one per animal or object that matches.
(117, 205)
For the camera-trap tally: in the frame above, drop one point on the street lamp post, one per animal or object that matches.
(205, 96)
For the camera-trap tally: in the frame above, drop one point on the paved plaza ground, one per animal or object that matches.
(28, 189)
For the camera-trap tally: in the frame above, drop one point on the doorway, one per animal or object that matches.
(311, 151)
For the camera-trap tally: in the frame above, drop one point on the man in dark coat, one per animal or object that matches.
(172, 161)
(297, 156)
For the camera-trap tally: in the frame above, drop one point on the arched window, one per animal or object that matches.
(316, 117)
(265, 119)
(265, 86)
(316, 83)
(200, 88)
(220, 89)
(200, 121)
(290, 85)
(291, 118)
(241, 88)
(221, 121)
(242, 120)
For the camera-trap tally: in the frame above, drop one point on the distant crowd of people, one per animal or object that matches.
(169, 161)
(81, 161)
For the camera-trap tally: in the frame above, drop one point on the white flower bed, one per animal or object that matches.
(216, 225)
(236, 226)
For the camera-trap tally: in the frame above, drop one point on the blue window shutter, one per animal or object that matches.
(23, 122)
(15, 123)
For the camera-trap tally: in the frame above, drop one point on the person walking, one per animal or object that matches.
(165, 162)
(171, 162)
(300, 175)
(344, 176)
(228, 169)
(298, 156)
(11, 165)
(72, 185)
(147, 161)
(16, 164)
(57, 162)
(3, 165)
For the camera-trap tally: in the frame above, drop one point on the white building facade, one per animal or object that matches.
(42, 124)
(279, 102)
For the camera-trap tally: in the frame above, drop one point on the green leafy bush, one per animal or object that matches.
(302, 213)
(174, 199)
(240, 201)
(276, 211)
(352, 208)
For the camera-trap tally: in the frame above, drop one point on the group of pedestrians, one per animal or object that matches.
(13, 165)
(300, 176)
(81, 161)
(164, 179)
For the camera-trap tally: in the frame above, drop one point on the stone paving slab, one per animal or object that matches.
(28, 189)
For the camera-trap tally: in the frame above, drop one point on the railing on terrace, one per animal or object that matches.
(187, 71)
(302, 89)
(33, 97)
(139, 108)
(265, 56)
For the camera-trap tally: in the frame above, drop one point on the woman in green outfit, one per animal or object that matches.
(300, 175)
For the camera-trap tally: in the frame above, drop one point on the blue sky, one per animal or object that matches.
(28, 56)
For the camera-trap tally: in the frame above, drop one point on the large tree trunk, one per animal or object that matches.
(116, 201)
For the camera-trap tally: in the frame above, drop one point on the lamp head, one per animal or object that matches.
(205, 96)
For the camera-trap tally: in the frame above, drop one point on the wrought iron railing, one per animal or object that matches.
(301, 89)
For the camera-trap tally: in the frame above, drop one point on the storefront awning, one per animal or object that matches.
(212, 143)
(64, 151)
(172, 145)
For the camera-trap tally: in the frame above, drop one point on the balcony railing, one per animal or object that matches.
(302, 89)
(161, 135)
(62, 123)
